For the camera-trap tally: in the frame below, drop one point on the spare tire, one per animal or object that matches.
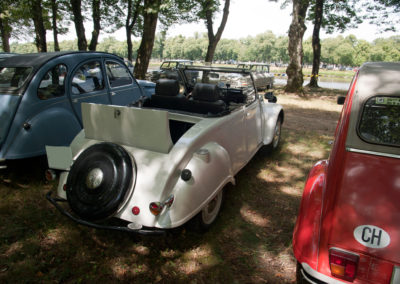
(99, 181)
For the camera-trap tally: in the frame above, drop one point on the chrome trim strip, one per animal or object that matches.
(373, 153)
(320, 276)
(395, 275)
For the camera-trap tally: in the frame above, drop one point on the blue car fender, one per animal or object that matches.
(54, 126)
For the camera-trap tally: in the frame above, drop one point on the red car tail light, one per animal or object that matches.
(343, 264)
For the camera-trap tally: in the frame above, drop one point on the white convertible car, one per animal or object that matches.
(165, 160)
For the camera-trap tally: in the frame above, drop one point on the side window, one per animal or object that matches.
(380, 121)
(117, 74)
(87, 78)
(53, 84)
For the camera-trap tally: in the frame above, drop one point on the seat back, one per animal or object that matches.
(206, 99)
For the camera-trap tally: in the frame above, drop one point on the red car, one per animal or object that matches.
(348, 227)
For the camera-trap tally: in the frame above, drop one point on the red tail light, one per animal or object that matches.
(343, 264)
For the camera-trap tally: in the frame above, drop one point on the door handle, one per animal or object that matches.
(113, 93)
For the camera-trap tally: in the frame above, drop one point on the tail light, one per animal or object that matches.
(157, 207)
(343, 264)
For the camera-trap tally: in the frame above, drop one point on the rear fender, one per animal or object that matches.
(211, 171)
(54, 126)
(307, 229)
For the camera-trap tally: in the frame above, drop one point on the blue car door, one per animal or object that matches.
(123, 87)
(87, 84)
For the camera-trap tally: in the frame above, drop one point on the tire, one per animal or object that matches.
(206, 217)
(99, 181)
(271, 147)
(299, 276)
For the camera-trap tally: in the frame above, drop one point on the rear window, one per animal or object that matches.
(380, 121)
(13, 78)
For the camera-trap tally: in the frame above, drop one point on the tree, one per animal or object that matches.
(384, 13)
(295, 48)
(58, 20)
(332, 15)
(150, 17)
(36, 12)
(76, 8)
(132, 16)
(5, 24)
(208, 8)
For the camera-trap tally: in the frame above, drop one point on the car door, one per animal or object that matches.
(87, 85)
(122, 86)
(253, 122)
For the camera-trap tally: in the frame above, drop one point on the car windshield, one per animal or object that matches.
(380, 121)
(13, 78)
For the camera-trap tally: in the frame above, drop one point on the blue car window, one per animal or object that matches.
(118, 75)
(53, 84)
(87, 78)
(12, 78)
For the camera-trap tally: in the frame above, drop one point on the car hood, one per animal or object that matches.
(8, 107)
(366, 213)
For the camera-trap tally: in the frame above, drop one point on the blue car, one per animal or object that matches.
(41, 96)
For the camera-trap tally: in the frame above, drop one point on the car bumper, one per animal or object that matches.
(314, 277)
(3, 164)
(309, 275)
(55, 202)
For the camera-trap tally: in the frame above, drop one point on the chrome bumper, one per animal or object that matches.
(140, 231)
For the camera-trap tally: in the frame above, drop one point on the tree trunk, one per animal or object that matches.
(78, 21)
(5, 33)
(54, 9)
(150, 17)
(296, 33)
(96, 25)
(40, 31)
(316, 44)
(130, 23)
(214, 39)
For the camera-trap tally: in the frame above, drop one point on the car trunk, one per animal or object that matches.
(8, 107)
(366, 214)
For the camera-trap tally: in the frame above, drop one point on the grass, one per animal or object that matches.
(249, 243)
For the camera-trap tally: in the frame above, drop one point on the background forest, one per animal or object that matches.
(266, 47)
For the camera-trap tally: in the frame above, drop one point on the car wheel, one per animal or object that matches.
(277, 136)
(209, 213)
(99, 181)
(299, 276)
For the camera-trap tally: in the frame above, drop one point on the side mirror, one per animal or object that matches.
(340, 100)
(270, 97)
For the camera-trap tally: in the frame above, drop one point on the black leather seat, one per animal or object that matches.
(206, 100)
(166, 95)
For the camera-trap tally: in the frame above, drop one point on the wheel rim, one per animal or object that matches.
(211, 210)
(277, 134)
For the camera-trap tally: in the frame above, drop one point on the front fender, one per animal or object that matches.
(54, 126)
(271, 112)
(211, 171)
(307, 230)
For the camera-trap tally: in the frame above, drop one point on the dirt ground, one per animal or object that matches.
(249, 243)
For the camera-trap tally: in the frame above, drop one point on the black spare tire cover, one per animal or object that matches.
(99, 181)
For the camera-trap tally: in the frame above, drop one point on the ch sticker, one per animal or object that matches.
(371, 236)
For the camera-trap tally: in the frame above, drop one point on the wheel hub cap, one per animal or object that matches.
(94, 178)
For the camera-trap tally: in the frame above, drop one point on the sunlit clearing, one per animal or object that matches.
(53, 237)
(122, 269)
(200, 258)
(13, 249)
(142, 250)
(253, 217)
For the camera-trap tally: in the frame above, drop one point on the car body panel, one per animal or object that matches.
(30, 120)
(355, 205)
